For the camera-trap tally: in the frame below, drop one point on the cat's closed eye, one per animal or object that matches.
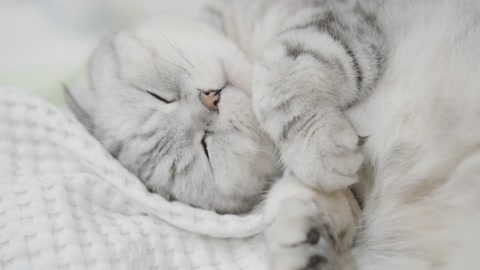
(160, 98)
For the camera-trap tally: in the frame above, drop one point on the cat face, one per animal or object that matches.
(171, 100)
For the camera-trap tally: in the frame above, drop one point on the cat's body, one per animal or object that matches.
(405, 74)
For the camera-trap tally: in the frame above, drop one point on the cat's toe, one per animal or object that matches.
(316, 262)
(330, 170)
(341, 169)
(301, 242)
(314, 252)
(313, 236)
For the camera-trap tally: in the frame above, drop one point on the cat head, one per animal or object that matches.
(170, 99)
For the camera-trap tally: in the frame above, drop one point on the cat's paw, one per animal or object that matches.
(296, 240)
(328, 155)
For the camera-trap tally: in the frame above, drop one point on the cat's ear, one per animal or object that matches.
(79, 99)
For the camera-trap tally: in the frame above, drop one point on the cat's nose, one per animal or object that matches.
(210, 99)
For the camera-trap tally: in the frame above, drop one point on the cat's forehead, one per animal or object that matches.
(143, 62)
(147, 58)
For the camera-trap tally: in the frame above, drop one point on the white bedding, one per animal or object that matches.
(65, 203)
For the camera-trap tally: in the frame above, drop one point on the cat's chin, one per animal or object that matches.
(243, 190)
(245, 197)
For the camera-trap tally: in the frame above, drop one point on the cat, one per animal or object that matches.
(362, 116)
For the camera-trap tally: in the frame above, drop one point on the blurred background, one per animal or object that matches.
(44, 43)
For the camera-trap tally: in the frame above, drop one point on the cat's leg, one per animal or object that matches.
(311, 229)
(322, 64)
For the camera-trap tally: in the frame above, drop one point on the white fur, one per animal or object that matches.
(176, 59)
(421, 181)
(424, 143)
(421, 211)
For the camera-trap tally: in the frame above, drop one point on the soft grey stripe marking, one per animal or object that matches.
(172, 173)
(282, 106)
(165, 151)
(147, 171)
(328, 24)
(287, 127)
(370, 18)
(308, 123)
(297, 50)
(185, 169)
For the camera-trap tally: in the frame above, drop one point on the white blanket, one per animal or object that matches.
(65, 203)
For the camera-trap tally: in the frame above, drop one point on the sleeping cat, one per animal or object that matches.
(210, 105)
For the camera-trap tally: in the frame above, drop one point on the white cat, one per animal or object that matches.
(200, 104)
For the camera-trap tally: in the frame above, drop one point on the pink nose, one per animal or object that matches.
(210, 99)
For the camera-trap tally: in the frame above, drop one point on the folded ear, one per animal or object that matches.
(79, 100)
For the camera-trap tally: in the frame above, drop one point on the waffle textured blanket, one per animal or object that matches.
(65, 203)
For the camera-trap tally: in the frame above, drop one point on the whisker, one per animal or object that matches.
(179, 67)
(154, 52)
(138, 88)
(179, 51)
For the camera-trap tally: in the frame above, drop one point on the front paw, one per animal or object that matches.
(326, 154)
(301, 240)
